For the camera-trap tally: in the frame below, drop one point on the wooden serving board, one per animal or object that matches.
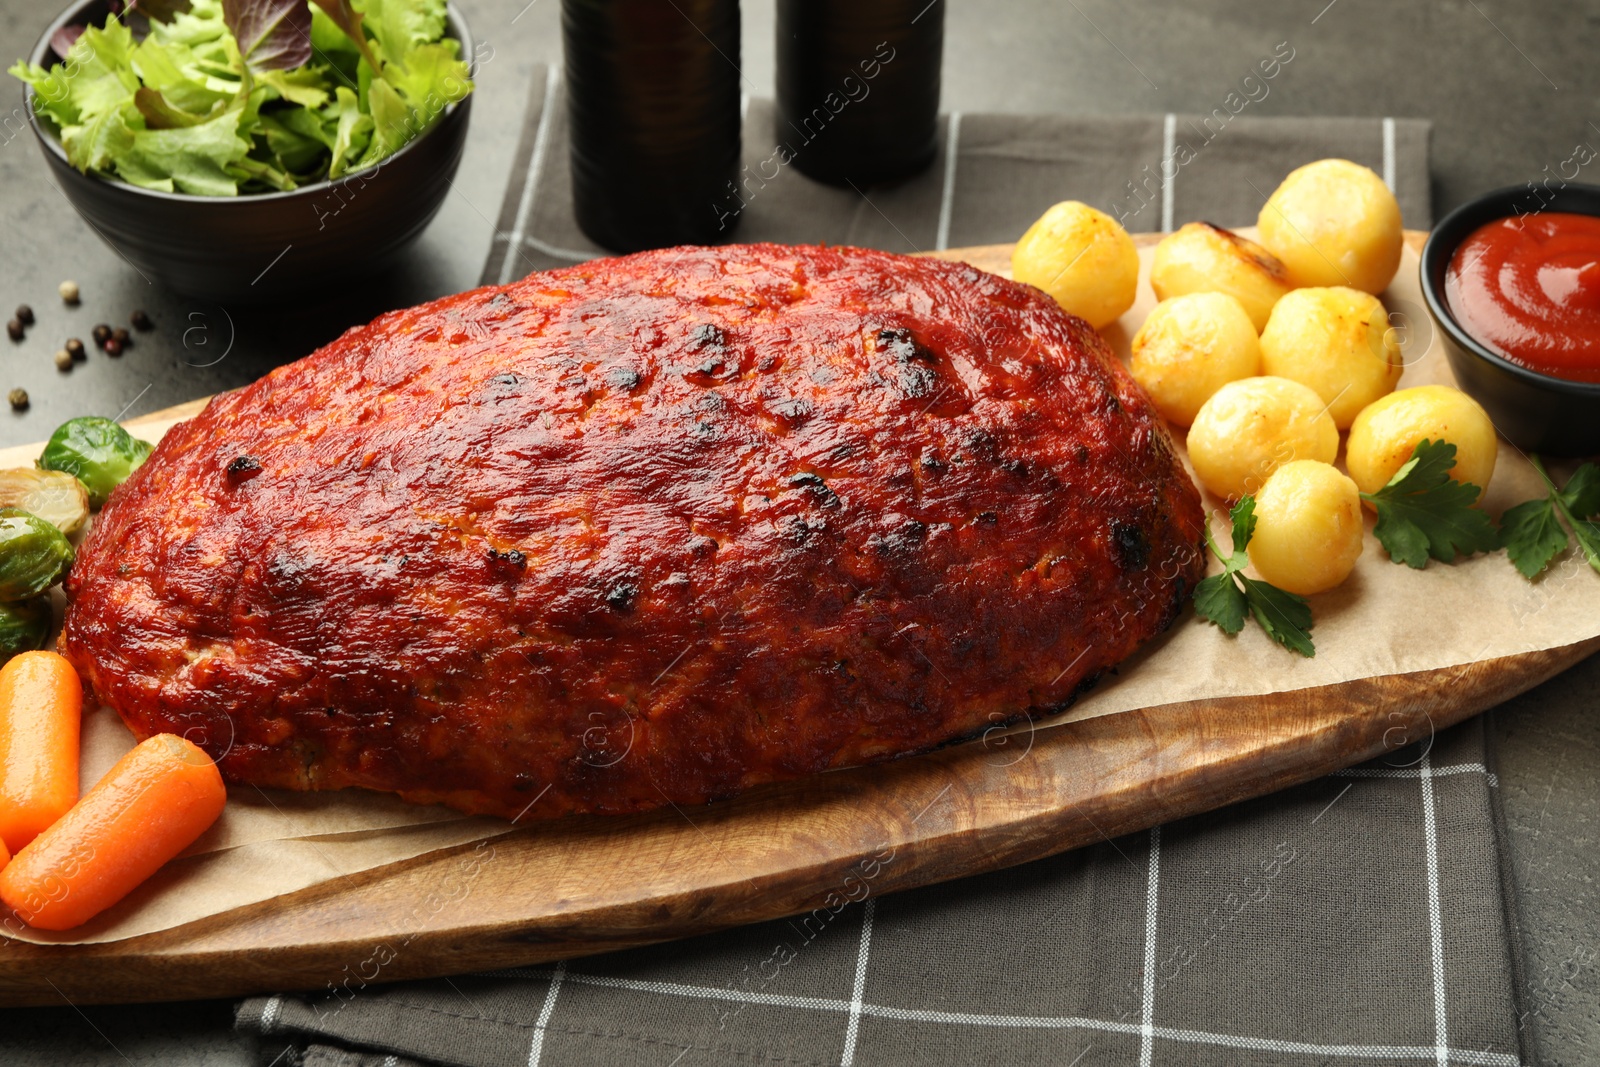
(592, 884)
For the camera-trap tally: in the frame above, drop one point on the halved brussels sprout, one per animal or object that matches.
(34, 555)
(97, 452)
(54, 496)
(24, 626)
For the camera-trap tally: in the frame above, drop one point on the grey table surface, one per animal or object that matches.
(1511, 88)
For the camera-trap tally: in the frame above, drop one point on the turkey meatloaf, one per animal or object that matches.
(644, 530)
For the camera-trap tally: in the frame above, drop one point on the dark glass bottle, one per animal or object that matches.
(858, 86)
(653, 107)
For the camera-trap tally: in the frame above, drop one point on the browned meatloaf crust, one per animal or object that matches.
(649, 529)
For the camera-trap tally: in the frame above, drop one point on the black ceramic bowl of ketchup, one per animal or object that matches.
(1535, 411)
(257, 248)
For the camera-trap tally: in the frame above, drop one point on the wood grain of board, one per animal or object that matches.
(593, 884)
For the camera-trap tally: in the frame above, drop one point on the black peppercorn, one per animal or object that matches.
(75, 349)
(141, 321)
(113, 347)
(14, 330)
(25, 314)
(101, 334)
(122, 337)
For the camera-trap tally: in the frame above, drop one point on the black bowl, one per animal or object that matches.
(254, 248)
(1536, 412)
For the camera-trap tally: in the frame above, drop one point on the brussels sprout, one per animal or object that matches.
(96, 451)
(55, 496)
(24, 626)
(34, 555)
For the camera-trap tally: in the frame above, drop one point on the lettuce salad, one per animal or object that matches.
(230, 97)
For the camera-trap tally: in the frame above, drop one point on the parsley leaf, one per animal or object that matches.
(1582, 494)
(1588, 534)
(1424, 512)
(1220, 600)
(1532, 536)
(1285, 616)
(1533, 533)
(1225, 598)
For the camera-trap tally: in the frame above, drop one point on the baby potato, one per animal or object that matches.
(1338, 342)
(1251, 427)
(1189, 347)
(1202, 258)
(1081, 257)
(1334, 222)
(1308, 528)
(1387, 431)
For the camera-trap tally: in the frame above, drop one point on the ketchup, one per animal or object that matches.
(1529, 289)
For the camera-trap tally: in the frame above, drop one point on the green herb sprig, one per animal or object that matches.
(1225, 598)
(1424, 513)
(1535, 531)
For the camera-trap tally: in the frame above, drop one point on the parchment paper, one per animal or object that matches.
(1385, 619)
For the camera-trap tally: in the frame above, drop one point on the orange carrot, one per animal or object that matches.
(146, 810)
(41, 706)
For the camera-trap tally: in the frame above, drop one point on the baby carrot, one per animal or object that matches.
(41, 705)
(146, 810)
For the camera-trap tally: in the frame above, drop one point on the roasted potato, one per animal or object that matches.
(1308, 528)
(1081, 257)
(1250, 428)
(1202, 258)
(1189, 347)
(1387, 431)
(1334, 222)
(1338, 342)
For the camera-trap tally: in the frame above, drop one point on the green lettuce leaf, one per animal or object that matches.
(198, 27)
(320, 88)
(195, 159)
(430, 77)
(104, 80)
(248, 169)
(160, 114)
(345, 16)
(306, 86)
(95, 144)
(296, 139)
(327, 38)
(402, 25)
(52, 93)
(94, 81)
(352, 132)
(391, 124)
(172, 70)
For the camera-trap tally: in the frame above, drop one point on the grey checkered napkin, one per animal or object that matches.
(1356, 919)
